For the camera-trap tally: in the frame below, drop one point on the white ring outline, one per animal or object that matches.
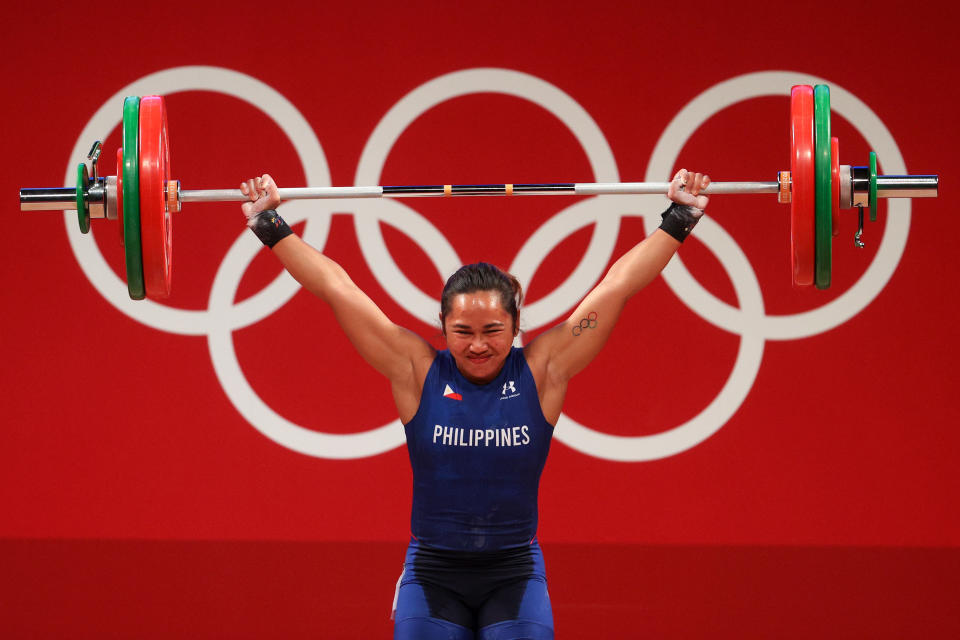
(750, 320)
(462, 83)
(277, 108)
(889, 251)
(389, 436)
(583, 438)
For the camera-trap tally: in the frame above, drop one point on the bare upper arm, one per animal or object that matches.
(561, 352)
(396, 352)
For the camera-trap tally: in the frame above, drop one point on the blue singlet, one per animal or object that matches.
(477, 452)
(474, 568)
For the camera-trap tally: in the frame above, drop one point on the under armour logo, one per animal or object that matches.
(508, 385)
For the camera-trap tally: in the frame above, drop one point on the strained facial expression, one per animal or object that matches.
(479, 333)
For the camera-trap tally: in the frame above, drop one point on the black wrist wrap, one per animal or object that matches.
(269, 227)
(679, 220)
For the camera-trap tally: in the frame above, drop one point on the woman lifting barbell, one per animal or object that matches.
(478, 417)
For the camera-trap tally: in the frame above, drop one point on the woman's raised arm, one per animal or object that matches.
(563, 351)
(399, 354)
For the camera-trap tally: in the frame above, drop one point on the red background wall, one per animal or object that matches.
(138, 501)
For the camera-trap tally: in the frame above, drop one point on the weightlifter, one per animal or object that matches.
(478, 417)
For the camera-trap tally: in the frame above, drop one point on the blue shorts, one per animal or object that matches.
(460, 595)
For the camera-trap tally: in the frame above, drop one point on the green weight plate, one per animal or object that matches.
(131, 198)
(823, 170)
(83, 213)
(872, 202)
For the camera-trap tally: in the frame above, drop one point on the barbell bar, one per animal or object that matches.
(852, 185)
(811, 187)
(64, 198)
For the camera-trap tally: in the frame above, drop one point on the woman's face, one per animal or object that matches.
(479, 333)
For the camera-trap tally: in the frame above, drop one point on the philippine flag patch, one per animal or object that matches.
(450, 393)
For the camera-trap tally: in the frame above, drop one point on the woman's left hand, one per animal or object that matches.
(263, 194)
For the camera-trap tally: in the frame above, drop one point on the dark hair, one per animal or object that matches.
(483, 277)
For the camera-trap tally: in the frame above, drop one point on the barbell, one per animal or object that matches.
(143, 197)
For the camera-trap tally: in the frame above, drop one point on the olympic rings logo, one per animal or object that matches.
(590, 322)
(749, 320)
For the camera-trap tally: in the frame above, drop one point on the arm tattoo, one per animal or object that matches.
(590, 322)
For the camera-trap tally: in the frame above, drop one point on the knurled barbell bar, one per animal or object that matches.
(143, 196)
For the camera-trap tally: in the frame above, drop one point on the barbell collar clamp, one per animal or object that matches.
(857, 242)
(111, 197)
(846, 192)
(860, 186)
(96, 196)
(93, 157)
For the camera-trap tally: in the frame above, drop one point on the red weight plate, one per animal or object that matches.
(155, 221)
(835, 183)
(803, 202)
(120, 192)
